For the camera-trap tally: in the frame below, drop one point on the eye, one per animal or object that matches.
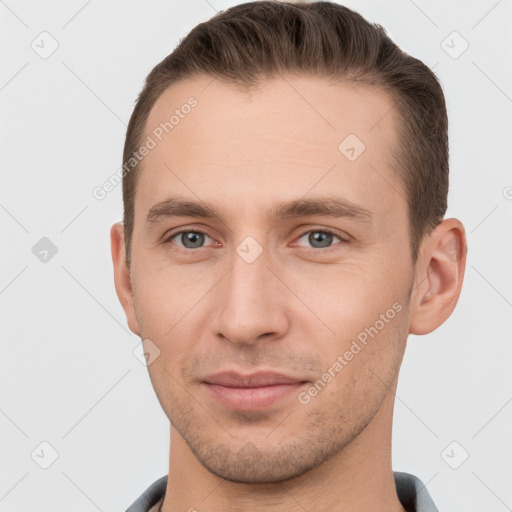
(189, 239)
(193, 239)
(320, 238)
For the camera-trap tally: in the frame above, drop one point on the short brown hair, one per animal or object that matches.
(249, 42)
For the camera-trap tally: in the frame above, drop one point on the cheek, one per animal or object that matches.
(363, 361)
(351, 296)
(368, 314)
(166, 295)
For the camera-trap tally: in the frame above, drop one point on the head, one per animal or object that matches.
(286, 215)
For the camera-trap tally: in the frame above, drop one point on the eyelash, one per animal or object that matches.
(169, 239)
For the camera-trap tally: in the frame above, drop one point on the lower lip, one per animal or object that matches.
(251, 399)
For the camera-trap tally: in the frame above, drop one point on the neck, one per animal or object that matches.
(359, 477)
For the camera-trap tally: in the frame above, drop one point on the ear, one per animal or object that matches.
(122, 276)
(438, 276)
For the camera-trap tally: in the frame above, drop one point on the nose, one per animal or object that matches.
(252, 303)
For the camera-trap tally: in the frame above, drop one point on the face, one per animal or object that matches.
(294, 260)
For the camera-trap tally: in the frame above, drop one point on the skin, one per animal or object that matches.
(295, 308)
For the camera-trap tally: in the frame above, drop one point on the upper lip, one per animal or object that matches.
(252, 380)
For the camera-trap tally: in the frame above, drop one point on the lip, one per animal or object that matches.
(251, 392)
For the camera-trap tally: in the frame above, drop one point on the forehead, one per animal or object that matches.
(277, 141)
(293, 105)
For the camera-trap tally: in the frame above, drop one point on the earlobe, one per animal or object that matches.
(122, 278)
(439, 277)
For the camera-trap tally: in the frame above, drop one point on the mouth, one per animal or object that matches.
(251, 392)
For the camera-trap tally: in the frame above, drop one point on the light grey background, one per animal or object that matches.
(68, 373)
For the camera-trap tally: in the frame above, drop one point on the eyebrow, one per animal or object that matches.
(335, 207)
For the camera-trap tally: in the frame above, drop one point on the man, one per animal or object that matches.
(284, 187)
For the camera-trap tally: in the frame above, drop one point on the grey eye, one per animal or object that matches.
(190, 239)
(319, 239)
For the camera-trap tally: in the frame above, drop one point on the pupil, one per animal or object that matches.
(192, 240)
(324, 239)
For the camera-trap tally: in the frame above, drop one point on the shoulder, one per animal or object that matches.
(413, 493)
(151, 498)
